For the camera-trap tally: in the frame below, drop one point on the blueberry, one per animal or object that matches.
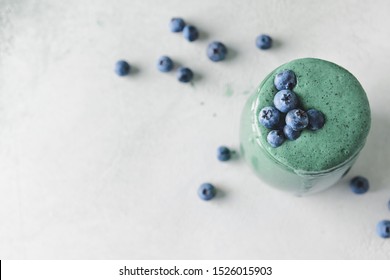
(122, 68)
(264, 42)
(177, 24)
(297, 119)
(269, 117)
(164, 64)
(224, 153)
(285, 80)
(290, 133)
(316, 119)
(359, 185)
(206, 191)
(383, 229)
(216, 51)
(184, 74)
(275, 138)
(190, 33)
(286, 100)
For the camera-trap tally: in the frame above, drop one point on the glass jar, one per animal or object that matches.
(317, 159)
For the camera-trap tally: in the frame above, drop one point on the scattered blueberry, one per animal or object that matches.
(177, 24)
(184, 74)
(190, 33)
(286, 100)
(164, 64)
(224, 153)
(290, 133)
(359, 185)
(275, 138)
(383, 229)
(122, 68)
(206, 191)
(264, 42)
(297, 119)
(316, 119)
(285, 80)
(269, 117)
(216, 51)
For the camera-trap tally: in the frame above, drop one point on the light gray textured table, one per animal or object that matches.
(102, 167)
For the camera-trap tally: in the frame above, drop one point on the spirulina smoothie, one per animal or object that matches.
(317, 159)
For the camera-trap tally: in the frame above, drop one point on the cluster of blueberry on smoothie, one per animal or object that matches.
(286, 119)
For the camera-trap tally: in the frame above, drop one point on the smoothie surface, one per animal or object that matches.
(335, 92)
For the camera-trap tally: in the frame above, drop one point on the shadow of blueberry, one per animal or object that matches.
(203, 35)
(220, 194)
(231, 54)
(234, 155)
(276, 44)
(134, 71)
(197, 77)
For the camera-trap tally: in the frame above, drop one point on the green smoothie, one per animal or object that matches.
(317, 159)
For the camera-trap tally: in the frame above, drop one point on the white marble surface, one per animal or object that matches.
(93, 166)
